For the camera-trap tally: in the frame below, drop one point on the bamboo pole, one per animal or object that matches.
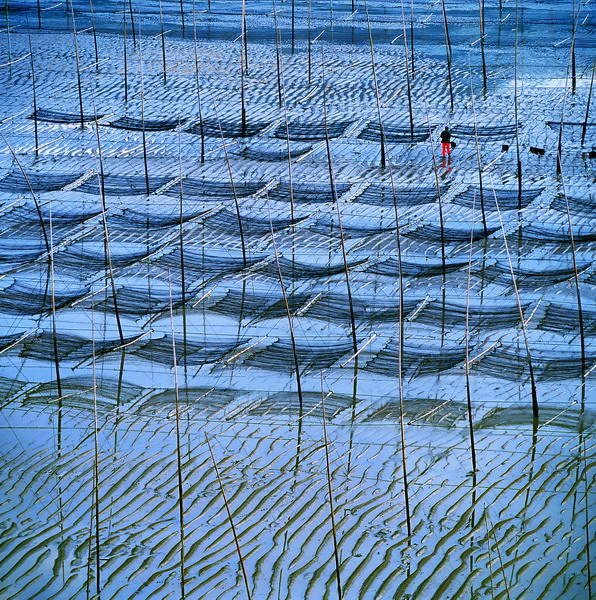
(515, 110)
(467, 364)
(448, 51)
(94, 36)
(412, 35)
(244, 38)
(372, 60)
(293, 19)
(535, 407)
(408, 82)
(230, 518)
(125, 50)
(585, 125)
(163, 44)
(438, 186)
(277, 54)
(290, 319)
(478, 158)
(35, 123)
(330, 492)
(336, 203)
(107, 248)
(236, 204)
(132, 24)
(95, 465)
(198, 83)
(143, 133)
(482, 33)
(178, 452)
(48, 242)
(76, 45)
(309, 44)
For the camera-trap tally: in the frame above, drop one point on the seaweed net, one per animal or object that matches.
(54, 116)
(197, 400)
(307, 192)
(279, 355)
(288, 403)
(500, 272)
(216, 189)
(135, 301)
(492, 316)
(562, 417)
(557, 234)
(23, 299)
(578, 205)
(506, 199)
(190, 352)
(227, 129)
(272, 155)
(199, 264)
(509, 362)
(416, 360)
(561, 318)
(431, 411)
(395, 134)
(428, 268)
(382, 195)
(147, 124)
(16, 182)
(311, 131)
(485, 131)
(227, 221)
(432, 233)
(250, 304)
(77, 392)
(292, 269)
(69, 347)
(123, 185)
(336, 308)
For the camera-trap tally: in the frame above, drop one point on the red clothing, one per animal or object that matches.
(445, 149)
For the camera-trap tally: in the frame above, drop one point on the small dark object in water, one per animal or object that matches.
(592, 154)
(504, 147)
(538, 151)
(453, 145)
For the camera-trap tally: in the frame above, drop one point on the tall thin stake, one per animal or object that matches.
(467, 365)
(48, 241)
(94, 35)
(76, 45)
(132, 25)
(105, 228)
(230, 518)
(374, 70)
(178, 452)
(236, 204)
(35, 124)
(535, 410)
(125, 50)
(290, 320)
(478, 158)
(585, 125)
(448, 51)
(517, 151)
(330, 491)
(198, 83)
(95, 464)
(163, 45)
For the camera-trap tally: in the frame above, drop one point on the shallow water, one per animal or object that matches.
(186, 336)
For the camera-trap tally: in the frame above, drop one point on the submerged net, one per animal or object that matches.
(395, 134)
(311, 131)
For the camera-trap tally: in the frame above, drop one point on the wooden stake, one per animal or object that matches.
(230, 518)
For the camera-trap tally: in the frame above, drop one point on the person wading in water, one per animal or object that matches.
(446, 142)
